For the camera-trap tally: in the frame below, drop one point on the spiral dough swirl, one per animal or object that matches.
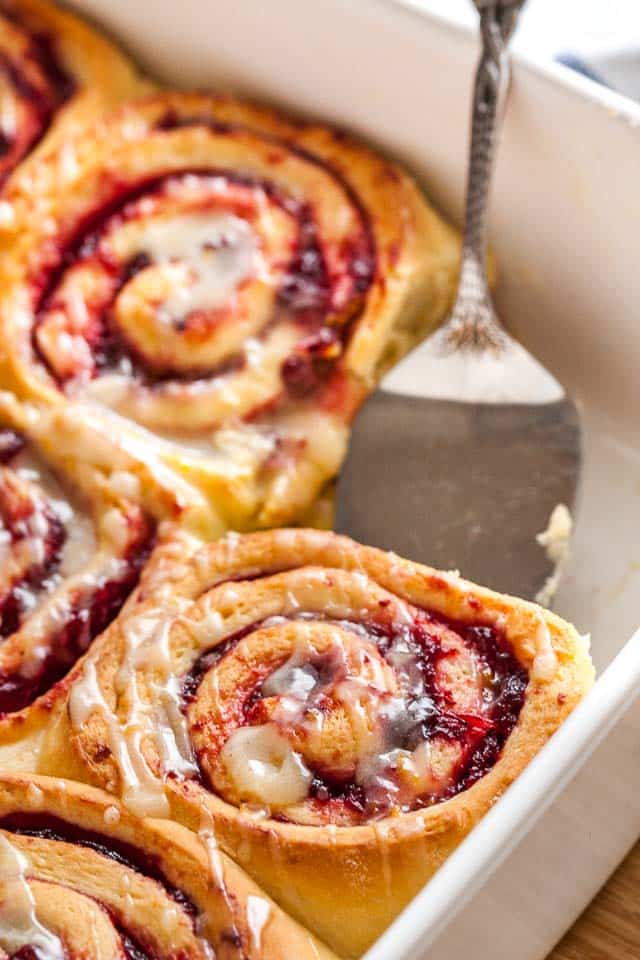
(68, 565)
(233, 282)
(344, 715)
(81, 878)
(55, 75)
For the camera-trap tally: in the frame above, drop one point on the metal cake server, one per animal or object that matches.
(468, 447)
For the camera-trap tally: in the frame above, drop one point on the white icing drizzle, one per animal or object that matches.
(169, 918)
(158, 717)
(8, 111)
(111, 815)
(545, 661)
(264, 768)
(142, 791)
(36, 796)
(291, 679)
(126, 484)
(46, 606)
(115, 526)
(80, 542)
(213, 254)
(50, 617)
(19, 925)
(258, 914)
(7, 214)
(110, 456)
(381, 708)
(207, 836)
(68, 161)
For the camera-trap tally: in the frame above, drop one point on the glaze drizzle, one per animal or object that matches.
(57, 590)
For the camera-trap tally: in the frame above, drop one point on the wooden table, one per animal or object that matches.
(609, 929)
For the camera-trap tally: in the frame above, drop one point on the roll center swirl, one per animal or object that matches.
(199, 277)
(344, 702)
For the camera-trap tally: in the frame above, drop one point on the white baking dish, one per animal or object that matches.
(565, 223)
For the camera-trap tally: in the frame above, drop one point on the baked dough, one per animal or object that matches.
(81, 878)
(56, 75)
(198, 294)
(345, 716)
(230, 283)
(85, 528)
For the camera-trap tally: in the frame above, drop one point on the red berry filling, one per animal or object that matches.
(34, 535)
(11, 443)
(34, 531)
(120, 279)
(37, 85)
(51, 828)
(48, 827)
(86, 618)
(433, 729)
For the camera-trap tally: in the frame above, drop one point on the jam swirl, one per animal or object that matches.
(195, 283)
(35, 86)
(231, 280)
(309, 688)
(81, 877)
(63, 578)
(337, 711)
(113, 924)
(348, 720)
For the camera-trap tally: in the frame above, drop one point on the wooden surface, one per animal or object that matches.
(609, 929)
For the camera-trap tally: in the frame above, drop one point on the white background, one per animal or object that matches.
(549, 27)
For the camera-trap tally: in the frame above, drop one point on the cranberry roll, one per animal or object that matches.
(231, 284)
(345, 716)
(82, 878)
(79, 535)
(56, 75)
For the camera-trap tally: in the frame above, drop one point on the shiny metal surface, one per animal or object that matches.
(461, 486)
(462, 454)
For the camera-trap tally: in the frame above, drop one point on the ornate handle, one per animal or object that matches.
(473, 321)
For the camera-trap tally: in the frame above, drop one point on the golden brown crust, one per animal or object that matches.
(378, 865)
(417, 252)
(95, 75)
(268, 428)
(232, 914)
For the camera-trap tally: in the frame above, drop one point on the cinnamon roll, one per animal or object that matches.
(79, 536)
(230, 284)
(343, 715)
(56, 75)
(81, 878)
